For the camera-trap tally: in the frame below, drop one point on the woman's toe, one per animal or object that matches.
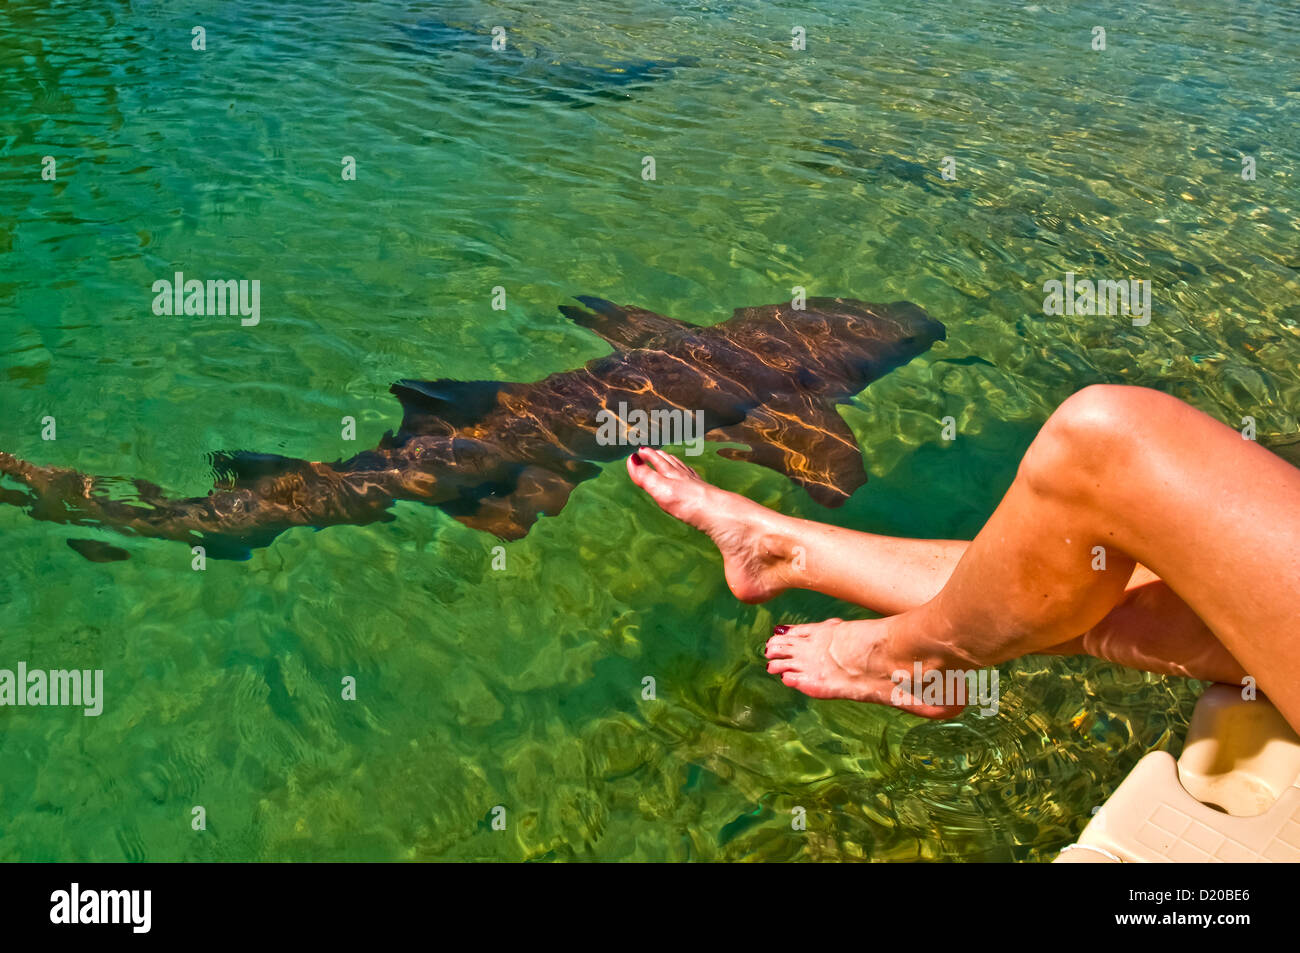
(780, 646)
(676, 463)
(643, 474)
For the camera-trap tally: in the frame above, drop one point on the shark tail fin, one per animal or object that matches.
(228, 522)
(63, 495)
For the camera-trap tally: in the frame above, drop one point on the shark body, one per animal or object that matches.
(498, 455)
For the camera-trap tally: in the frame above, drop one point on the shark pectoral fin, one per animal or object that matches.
(621, 326)
(495, 515)
(510, 513)
(806, 440)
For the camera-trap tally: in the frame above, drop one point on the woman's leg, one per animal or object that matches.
(1139, 475)
(1154, 630)
(765, 553)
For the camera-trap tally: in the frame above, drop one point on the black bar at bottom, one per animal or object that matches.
(330, 903)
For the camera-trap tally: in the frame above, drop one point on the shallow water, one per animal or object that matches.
(775, 168)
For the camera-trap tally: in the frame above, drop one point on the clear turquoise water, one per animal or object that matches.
(775, 168)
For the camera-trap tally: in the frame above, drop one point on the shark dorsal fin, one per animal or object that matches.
(623, 327)
(457, 403)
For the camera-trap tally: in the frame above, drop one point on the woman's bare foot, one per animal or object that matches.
(832, 659)
(853, 660)
(755, 542)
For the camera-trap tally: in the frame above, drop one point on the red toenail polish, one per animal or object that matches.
(781, 630)
(636, 460)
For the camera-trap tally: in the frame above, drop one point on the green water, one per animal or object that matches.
(774, 168)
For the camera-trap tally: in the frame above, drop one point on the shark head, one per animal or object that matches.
(879, 337)
(838, 345)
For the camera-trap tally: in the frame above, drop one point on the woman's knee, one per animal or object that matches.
(1089, 438)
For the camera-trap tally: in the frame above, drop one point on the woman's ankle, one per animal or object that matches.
(925, 635)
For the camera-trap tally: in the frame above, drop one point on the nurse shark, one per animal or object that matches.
(498, 455)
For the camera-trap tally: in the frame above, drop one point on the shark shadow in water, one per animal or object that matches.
(497, 455)
(841, 157)
(516, 76)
